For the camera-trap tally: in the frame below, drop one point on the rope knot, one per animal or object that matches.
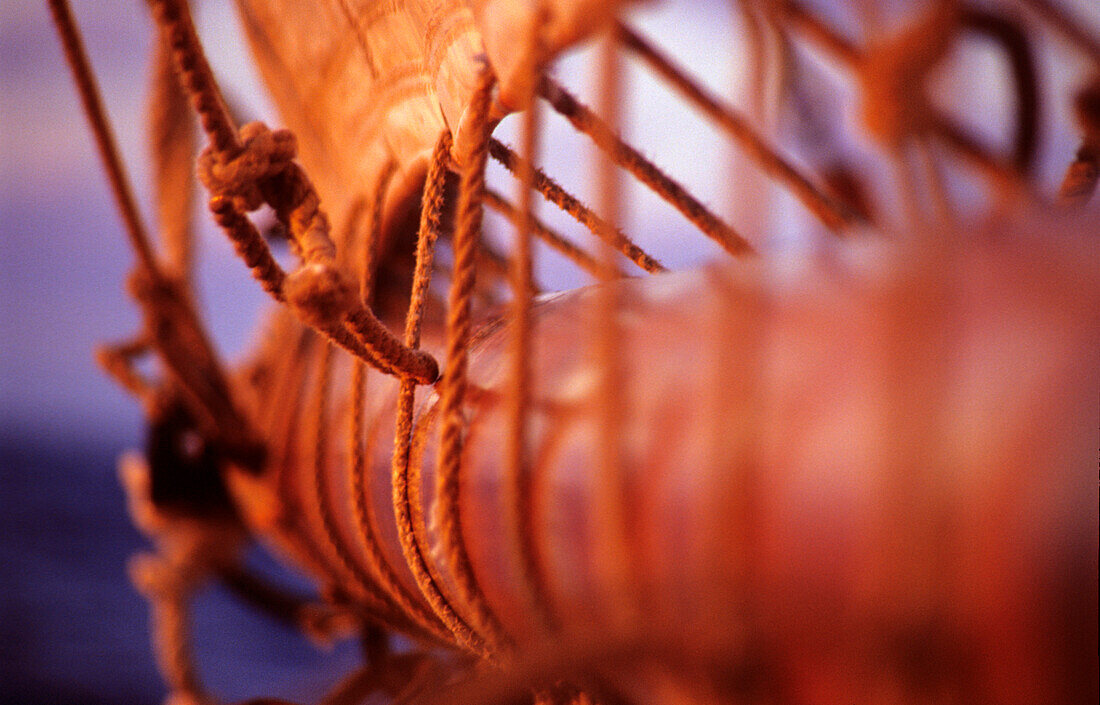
(264, 154)
(319, 293)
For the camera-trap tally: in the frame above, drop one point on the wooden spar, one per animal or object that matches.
(822, 474)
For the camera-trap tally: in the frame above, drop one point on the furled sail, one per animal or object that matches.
(363, 82)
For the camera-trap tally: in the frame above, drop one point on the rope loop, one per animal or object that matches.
(265, 153)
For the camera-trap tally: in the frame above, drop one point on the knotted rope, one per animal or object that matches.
(264, 154)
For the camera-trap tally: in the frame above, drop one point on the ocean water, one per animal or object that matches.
(73, 629)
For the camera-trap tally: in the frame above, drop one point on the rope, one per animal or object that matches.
(174, 18)
(250, 246)
(172, 147)
(778, 168)
(406, 476)
(369, 606)
(581, 213)
(646, 171)
(613, 564)
(77, 58)
(366, 523)
(516, 481)
(385, 347)
(453, 385)
(264, 154)
(938, 123)
(285, 435)
(379, 567)
(430, 214)
(559, 242)
(257, 166)
(394, 612)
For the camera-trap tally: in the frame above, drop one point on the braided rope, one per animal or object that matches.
(405, 474)
(250, 246)
(174, 18)
(366, 521)
(581, 213)
(554, 239)
(256, 166)
(384, 575)
(370, 607)
(394, 612)
(453, 385)
(629, 158)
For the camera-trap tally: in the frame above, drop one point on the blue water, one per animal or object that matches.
(73, 629)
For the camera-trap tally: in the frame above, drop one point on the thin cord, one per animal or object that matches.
(554, 239)
(77, 57)
(644, 170)
(366, 522)
(830, 213)
(581, 213)
(384, 574)
(453, 385)
(406, 474)
(394, 612)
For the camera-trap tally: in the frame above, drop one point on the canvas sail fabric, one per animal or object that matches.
(362, 82)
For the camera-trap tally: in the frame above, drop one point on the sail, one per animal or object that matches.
(363, 82)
